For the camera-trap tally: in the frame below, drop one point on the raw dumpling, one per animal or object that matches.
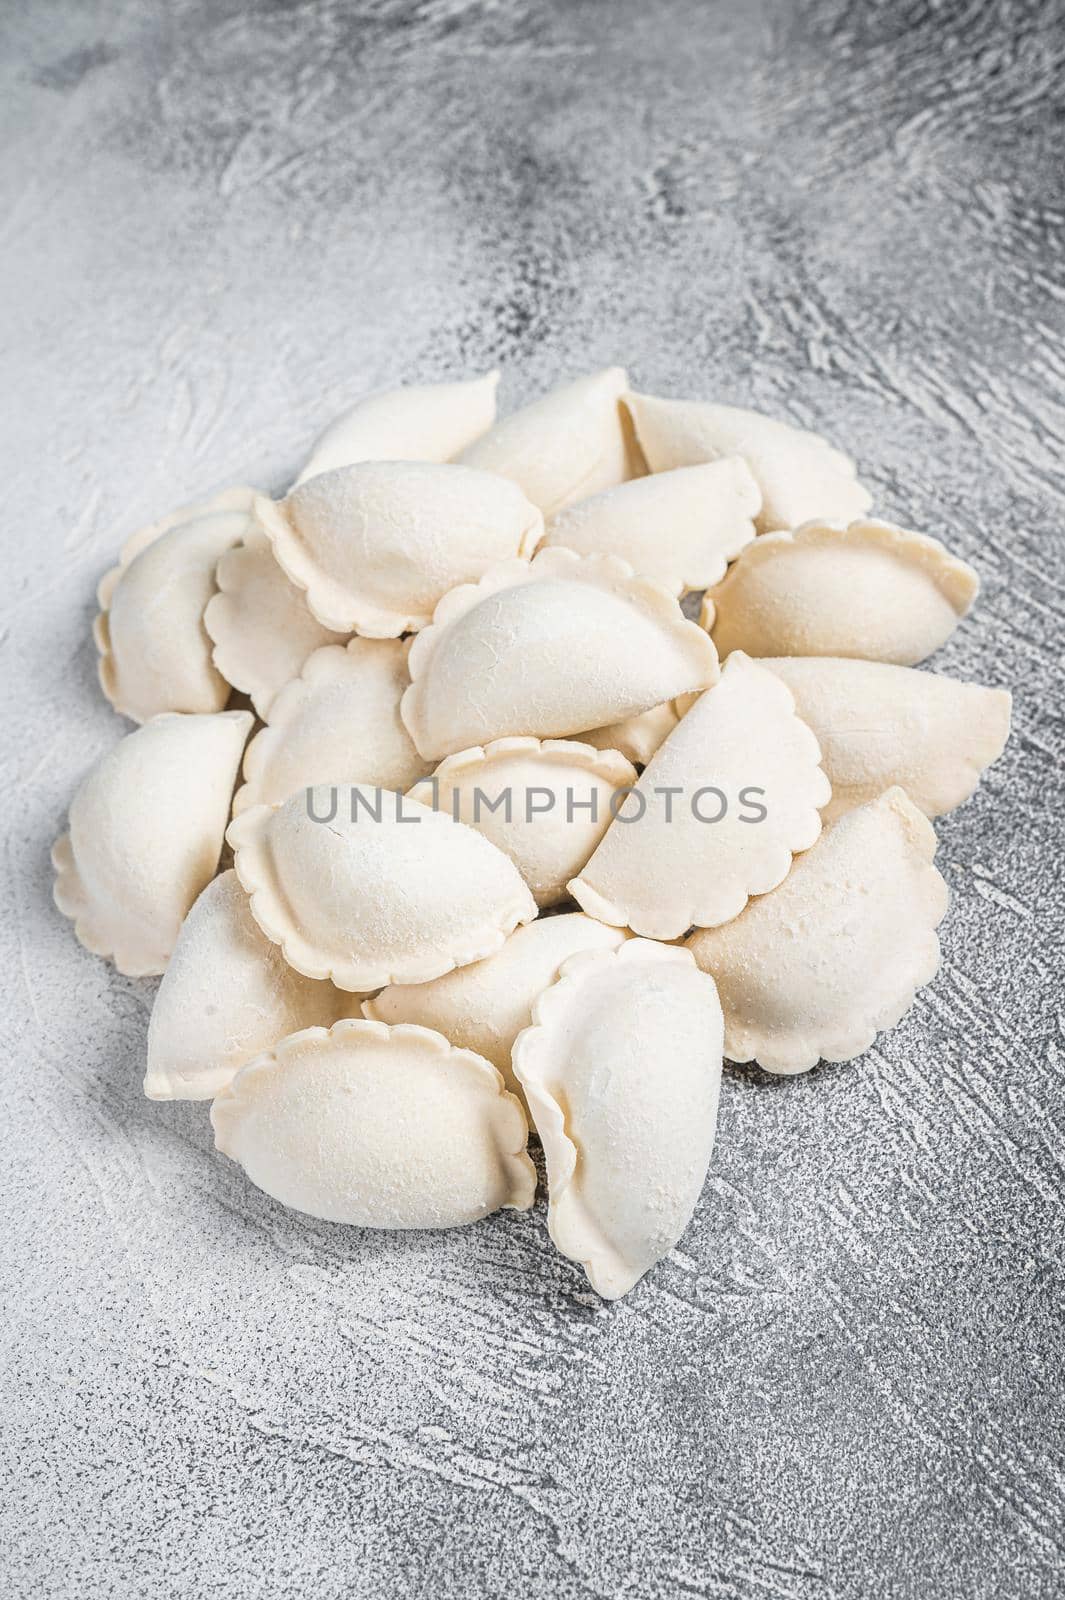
(814, 970)
(546, 804)
(716, 816)
(366, 888)
(680, 528)
(425, 422)
(872, 591)
(621, 1069)
(377, 545)
(262, 627)
(800, 475)
(155, 654)
(549, 647)
(567, 445)
(338, 722)
(880, 725)
(637, 738)
(378, 1127)
(146, 831)
(485, 1006)
(237, 498)
(226, 995)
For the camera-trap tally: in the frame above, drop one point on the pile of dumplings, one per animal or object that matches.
(515, 843)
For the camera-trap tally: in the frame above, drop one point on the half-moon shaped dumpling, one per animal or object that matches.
(621, 1069)
(680, 528)
(226, 995)
(237, 498)
(378, 1127)
(485, 1006)
(814, 970)
(880, 725)
(338, 722)
(366, 888)
(377, 545)
(799, 474)
(565, 446)
(261, 624)
(547, 804)
(155, 654)
(872, 591)
(424, 422)
(716, 816)
(637, 738)
(549, 647)
(146, 830)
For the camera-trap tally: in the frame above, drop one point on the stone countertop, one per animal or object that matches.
(220, 223)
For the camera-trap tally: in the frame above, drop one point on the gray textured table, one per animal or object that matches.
(221, 221)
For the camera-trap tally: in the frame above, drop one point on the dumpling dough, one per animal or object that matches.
(697, 847)
(637, 738)
(425, 422)
(378, 1127)
(146, 831)
(155, 654)
(567, 445)
(547, 804)
(376, 545)
(485, 1006)
(549, 647)
(872, 591)
(373, 888)
(338, 722)
(680, 528)
(814, 970)
(880, 725)
(621, 1069)
(237, 498)
(226, 995)
(799, 474)
(262, 627)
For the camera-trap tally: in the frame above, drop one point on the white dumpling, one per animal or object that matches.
(545, 803)
(717, 814)
(377, 545)
(637, 738)
(871, 591)
(146, 831)
(567, 445)
(549, 648)
(378, 1127)
(424, 422)
(237, 498)
(155, 654)
(880, 725)
(365, 887)
(484, 1007)
(227, 995)
(621, 1070)
(680, 528)
(338, 722)
(262, 628)
(814, 970)
(800, 475)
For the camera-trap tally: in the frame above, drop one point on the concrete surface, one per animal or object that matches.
(219, 223)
